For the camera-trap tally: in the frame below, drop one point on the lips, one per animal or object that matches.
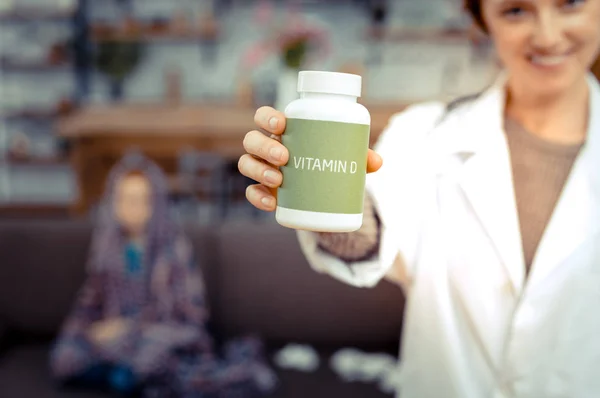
(548, 60)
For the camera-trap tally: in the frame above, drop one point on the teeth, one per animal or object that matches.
(547, 60)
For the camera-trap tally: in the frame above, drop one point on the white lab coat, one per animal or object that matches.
(474, 327)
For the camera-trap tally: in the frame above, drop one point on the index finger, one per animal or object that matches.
(270, 119)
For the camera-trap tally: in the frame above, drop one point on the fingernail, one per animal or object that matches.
(273, 122)
(268, 201)
(271, 177)
(276, 154)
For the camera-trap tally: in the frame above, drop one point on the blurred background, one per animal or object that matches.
(82, 82)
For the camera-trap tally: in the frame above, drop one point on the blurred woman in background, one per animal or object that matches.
(139, 325)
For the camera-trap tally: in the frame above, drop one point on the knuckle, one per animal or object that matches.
(258, 116)
(261, 151)
(254, 143)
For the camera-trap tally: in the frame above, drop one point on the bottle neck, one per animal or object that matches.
(308, 95)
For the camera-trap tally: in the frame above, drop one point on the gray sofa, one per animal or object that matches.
(258, 282)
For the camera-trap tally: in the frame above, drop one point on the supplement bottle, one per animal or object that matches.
(327, 135)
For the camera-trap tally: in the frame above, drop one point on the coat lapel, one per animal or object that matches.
(488, 186)
(476, 136)
(577, 214)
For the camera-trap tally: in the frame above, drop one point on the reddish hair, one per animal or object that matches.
(135, 173)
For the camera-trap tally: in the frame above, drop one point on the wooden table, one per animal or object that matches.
(101, 135)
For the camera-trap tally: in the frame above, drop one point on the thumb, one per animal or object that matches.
(374, 161)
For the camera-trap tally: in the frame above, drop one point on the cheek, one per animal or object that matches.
(584, 28)
(122, 215)
(592, 37)
(145, 214)
(587, 38)
(592, 22)
(510, 47)
(142, 212)
(123, 211)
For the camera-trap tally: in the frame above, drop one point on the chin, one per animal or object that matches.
(543, 83)
(550, 88)
(134, 230)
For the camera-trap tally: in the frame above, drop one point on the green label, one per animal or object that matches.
(327, 167)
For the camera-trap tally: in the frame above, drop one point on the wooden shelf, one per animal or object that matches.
(33, 161)
(8, 65)
(150, 35)
(418, 34)
(40, 114)
(101, 134)
(65, 108)
(21, 14)
(221, 125)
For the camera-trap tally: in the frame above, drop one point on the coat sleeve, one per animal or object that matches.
(394, 192)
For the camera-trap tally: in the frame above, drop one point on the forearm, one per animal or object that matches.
(358, 245)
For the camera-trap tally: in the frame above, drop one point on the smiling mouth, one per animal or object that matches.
(548, 60)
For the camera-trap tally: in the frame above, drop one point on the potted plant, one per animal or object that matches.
(117, 56)
(294, 41)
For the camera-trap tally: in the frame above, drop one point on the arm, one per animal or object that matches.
(72, 353)
(362, 245)
(189, 306)
(88, 305)
(180, 312)
(354, 246)
(392, 190)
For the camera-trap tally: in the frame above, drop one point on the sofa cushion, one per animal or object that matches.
(256, 276)
(266, 286)
(42, 269)
(24, 373)
(43, 266)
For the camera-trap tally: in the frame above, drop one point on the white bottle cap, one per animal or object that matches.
(329, 83)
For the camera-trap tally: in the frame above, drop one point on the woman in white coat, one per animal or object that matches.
(487, 212)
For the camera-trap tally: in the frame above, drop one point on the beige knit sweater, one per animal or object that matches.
(540, 170)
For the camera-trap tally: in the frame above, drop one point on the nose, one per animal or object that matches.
(547, 32)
